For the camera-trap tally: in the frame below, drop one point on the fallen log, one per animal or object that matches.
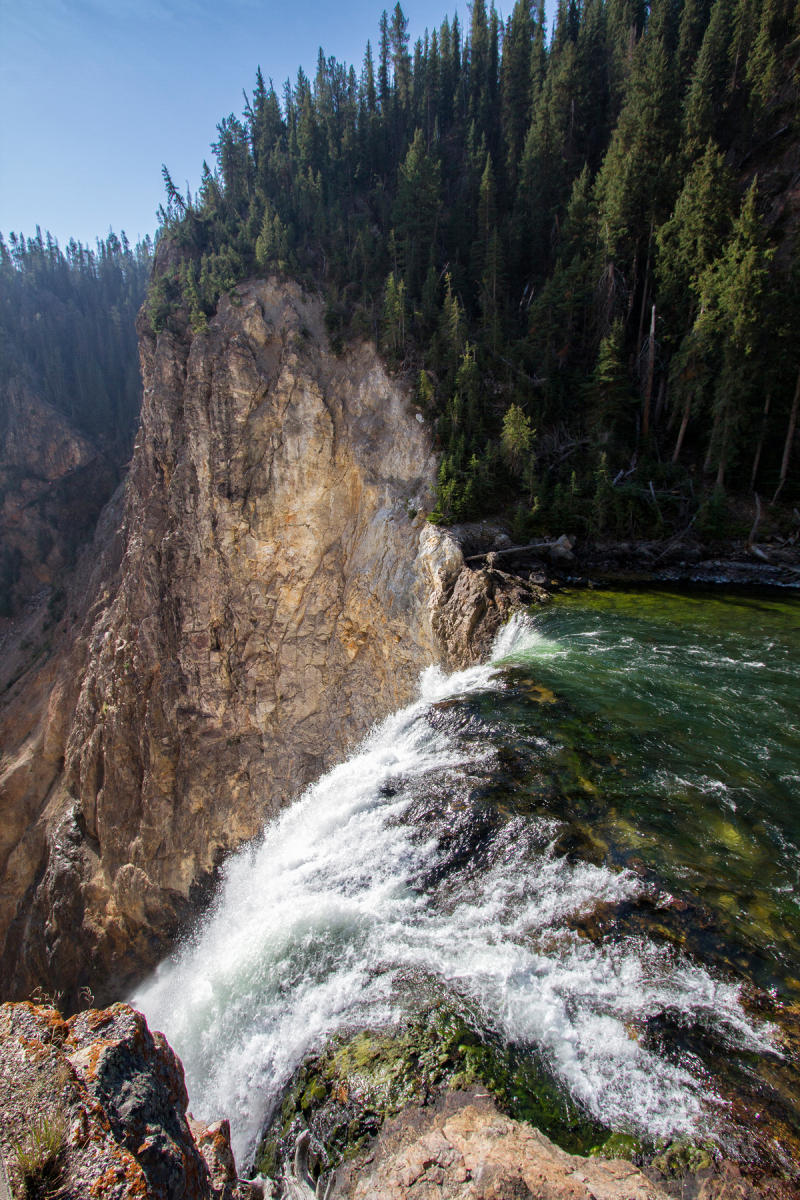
(562, 543)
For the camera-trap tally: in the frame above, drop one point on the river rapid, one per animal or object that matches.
(591, 842)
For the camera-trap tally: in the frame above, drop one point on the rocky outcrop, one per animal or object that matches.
(273, 590)
(96, 1107)
(463, 1148)
(467, 1150)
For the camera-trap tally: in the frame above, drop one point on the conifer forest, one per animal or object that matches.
(70, 392)
(577, 244)
(67, 329)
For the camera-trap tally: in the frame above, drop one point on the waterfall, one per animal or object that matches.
(364, 884)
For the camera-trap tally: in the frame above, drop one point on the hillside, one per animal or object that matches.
(69, 399)
(581, 251)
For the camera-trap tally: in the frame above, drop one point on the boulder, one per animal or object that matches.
(95, 1106)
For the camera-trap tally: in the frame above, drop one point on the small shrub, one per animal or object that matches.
(39, 1154)
(713, 517)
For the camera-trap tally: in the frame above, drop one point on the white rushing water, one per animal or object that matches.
(350, 896)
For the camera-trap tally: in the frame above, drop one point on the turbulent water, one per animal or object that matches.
(592, 841)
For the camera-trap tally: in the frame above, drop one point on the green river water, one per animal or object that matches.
(663, 730)
(571, 873)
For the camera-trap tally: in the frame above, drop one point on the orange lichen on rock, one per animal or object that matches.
(118, 1093)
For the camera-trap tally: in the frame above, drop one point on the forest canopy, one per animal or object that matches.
(67, 329)
(582, 248)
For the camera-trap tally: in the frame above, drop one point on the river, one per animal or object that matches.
(591, 841)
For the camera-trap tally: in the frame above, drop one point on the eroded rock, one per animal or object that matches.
(112, 1098)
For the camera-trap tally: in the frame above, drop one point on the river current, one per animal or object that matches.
(591, 841)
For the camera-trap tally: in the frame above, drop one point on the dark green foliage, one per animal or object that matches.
(712, 517)
(556, 230)
(67, 329)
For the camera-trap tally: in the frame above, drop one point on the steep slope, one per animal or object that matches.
(54, 480)
(69, 400)
(272, 592)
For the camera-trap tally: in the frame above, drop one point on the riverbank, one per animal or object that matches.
(684, 560)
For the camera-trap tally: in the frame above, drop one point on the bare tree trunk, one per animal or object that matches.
(751, 539)
(760, 446)
(687, 408)
(645, 287)
(787, 448)
(723, 454)
(662, 391)
(651, 362)
(632, 295)
(712, 441)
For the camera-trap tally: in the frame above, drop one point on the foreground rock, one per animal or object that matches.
(467, 1150)
(95, 1107)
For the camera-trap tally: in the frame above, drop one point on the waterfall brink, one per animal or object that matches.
(355, 890)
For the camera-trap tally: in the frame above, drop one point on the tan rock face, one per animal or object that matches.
(467, 1150)
(276, 595)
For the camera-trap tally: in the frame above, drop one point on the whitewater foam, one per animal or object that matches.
(314, 927)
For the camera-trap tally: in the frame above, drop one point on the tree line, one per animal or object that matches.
(67, 329)
(581, 246)
(68, 338)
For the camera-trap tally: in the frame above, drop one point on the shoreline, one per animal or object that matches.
(570, 562)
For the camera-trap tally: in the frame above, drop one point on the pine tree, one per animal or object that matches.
(608, 393)
(516, 438)
(394, 315)
(515, 84)
(635, 187)
(693, 237)
(706, 99)
(778, 22)
(416, 211)
(731, 293)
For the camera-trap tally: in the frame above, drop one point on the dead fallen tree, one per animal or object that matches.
(563, 546)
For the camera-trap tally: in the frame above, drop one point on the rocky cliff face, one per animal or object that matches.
(271, 592)
(53, 482)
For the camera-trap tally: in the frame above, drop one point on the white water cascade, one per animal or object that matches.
(355, 898)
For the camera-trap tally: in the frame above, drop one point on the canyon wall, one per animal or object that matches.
(54, 480)
(265, 590)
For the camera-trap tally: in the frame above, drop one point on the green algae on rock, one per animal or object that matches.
(345, 1093)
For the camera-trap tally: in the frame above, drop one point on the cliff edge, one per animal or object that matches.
(269, 591)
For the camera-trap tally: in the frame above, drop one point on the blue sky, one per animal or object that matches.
(96, 94)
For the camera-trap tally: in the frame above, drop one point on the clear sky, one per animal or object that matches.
(96, 94)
